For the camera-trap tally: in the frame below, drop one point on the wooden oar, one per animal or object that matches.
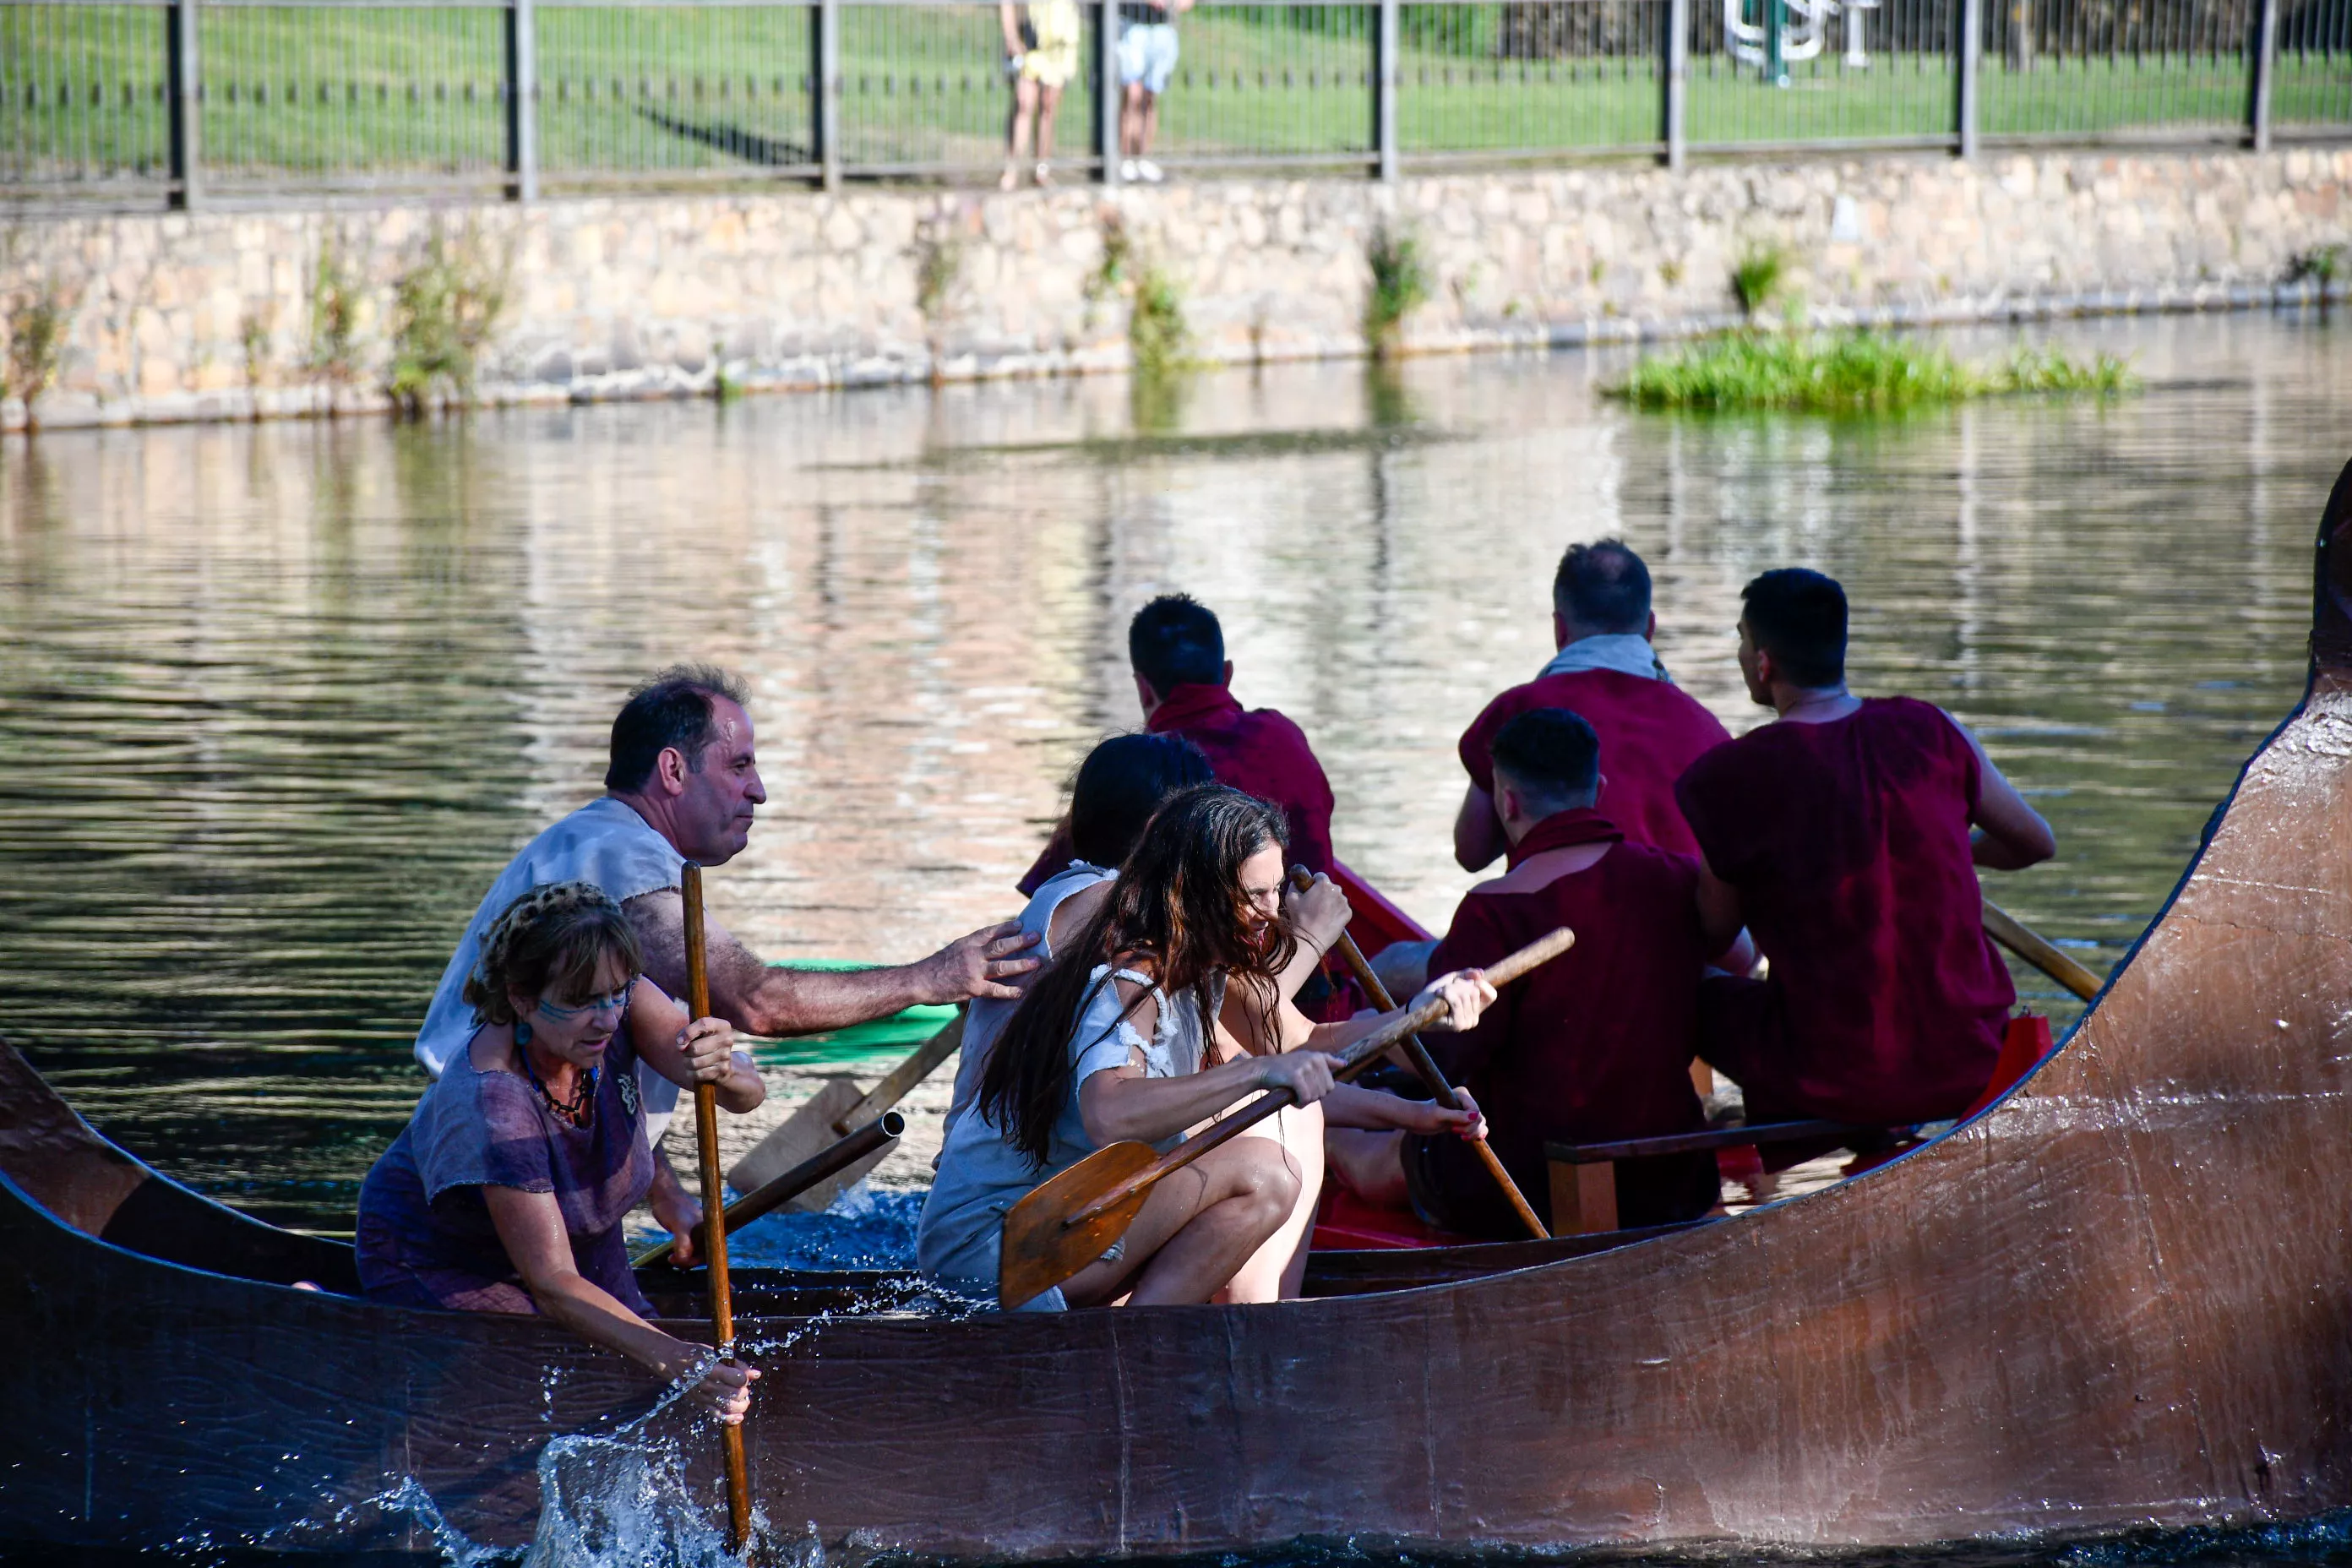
(2005, 928)
(877, 1134)
(819, 1122)
(714, 1209)
(1432, 1077)
(1068, 1222)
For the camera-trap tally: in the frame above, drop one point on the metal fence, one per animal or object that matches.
(195, 100)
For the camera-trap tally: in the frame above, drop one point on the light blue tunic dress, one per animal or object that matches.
(981, 1175)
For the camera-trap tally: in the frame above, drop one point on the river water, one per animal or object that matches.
(277, 702)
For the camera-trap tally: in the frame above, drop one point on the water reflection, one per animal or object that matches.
(277, 702)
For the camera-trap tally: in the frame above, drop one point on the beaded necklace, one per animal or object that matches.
(580, 1106)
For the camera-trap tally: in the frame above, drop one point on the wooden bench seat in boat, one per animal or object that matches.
(1584, 1175)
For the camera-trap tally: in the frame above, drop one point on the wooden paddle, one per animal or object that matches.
(1068, 1222)
(2006, 929)
(1432, 1077)
(714, 1209)
(877, 1134)
(821, 1122)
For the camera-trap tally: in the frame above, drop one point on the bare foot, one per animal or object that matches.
(1009, 180)
(1044, 175)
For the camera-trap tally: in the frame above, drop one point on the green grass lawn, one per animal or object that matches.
(329, 91)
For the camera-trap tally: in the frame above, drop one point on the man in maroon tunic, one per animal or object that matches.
(1594, 1046)
(1845, 835)
(1607, 671)
(1177, 650)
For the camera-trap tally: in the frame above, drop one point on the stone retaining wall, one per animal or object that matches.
(221, 315)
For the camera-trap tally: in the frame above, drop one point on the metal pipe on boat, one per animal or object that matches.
(835, 1157)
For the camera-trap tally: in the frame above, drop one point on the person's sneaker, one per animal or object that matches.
(1127, 170)
(1149, 172)
(1045, 174)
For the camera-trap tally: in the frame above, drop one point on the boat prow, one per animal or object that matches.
(2115, 1299)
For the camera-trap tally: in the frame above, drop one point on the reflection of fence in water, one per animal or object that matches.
(397, 94)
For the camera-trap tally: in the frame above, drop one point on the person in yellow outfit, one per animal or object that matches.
(1040, 55)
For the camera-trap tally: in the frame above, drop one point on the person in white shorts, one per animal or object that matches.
(1147, 60)
(1040, 56)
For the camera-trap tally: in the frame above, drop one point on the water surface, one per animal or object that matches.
(277, 702)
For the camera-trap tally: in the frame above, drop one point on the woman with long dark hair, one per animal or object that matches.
(1165, 1010)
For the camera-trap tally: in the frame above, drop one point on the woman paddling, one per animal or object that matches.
(507, 1190)
(1162, 1012)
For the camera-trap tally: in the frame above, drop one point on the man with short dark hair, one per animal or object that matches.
(1594, 1046)
(1183, 678)
(1846, 835)
(682, 783)
(1606, 670)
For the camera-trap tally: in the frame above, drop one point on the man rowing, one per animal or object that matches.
(1846, 835)
(1162, 1012)
(682, 783)
(1607, 671)
(1596, 1044)
(1176, 649)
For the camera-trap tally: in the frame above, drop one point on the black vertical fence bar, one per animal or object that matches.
(1385, 38)
(1673, 81)
(1968, 22)
(1109, 98)
(825, 73)
(522, 101)
(2261, 75)
(182, 101)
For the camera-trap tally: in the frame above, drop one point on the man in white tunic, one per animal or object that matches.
(682, 784)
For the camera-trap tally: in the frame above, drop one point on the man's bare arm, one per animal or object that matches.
(1478, 834)
(776, 1003)
(2011, 835)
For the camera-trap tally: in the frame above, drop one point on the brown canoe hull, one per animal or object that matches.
(2118, 1300)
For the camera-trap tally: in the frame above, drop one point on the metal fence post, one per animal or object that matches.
(1969, 19)
(183, 84)
(1107, 95)
(522, 101)
(1384, 89)
(1673, 81)
(825, 76)
(2266, 65)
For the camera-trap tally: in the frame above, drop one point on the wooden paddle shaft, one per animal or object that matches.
(2006, 929)
(772, 1195)
(714, 1207)
(907, 1075)
(1350, 1062)
(1432, 1077)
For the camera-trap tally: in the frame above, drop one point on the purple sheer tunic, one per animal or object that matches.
(424, 1233)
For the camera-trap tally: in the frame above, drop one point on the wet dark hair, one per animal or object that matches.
(552, 941)
(671, 711)
(1174, 641)
(1551, 753)
(1177, 902)
(1603, 587)
(1798, 617)
(1121, 783)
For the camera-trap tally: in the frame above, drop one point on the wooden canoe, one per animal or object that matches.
(2117, 1299)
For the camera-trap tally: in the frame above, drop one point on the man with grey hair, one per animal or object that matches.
(682, 784)
(1607, 671)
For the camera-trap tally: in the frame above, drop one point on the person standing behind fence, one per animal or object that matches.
(1146, 58)
(1040, 55)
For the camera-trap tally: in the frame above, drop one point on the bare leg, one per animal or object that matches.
(1016, 132)
(1149, 127)
(1277, 1270)
(1049, 103)
(1198, 1227)
(1130, 121)
(1371, 1163)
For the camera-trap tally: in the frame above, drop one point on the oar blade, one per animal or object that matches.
(1042, 1248)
